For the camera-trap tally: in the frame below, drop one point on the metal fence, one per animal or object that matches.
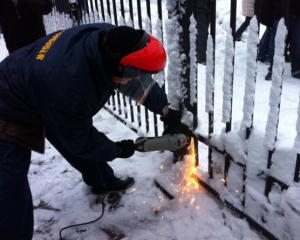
(129, 12)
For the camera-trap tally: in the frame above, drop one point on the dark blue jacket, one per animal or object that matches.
(59, 82)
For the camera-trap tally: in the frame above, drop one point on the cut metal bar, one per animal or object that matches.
(270, 182)
(163, 190)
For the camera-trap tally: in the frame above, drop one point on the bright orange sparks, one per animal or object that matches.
(190, 171)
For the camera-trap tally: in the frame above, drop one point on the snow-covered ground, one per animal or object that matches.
(62, 199)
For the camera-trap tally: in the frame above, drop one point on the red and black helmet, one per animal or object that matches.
(143, 62)
(150, 59)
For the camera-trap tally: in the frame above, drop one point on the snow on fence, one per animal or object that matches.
(242, 166)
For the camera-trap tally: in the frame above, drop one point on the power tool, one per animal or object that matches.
(171, 142)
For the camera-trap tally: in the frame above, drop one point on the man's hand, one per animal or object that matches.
(126, 148)
(171, 117)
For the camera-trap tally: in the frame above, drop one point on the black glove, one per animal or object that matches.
(126, 148)
(181, 128)
(172, 118)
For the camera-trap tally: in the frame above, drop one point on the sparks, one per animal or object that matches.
(132, 190)
(190, 171)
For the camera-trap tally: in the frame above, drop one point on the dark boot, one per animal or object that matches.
(268, 77)
(261, 58)
(117, 185)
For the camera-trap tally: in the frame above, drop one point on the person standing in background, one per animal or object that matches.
(21, 21)
(248, 12)
(291, 14)
(277, 16)
(203, 21)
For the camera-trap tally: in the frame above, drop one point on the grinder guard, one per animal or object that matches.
(183, 129)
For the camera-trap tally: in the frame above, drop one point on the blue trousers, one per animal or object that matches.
(16, 210)
(264, 45)
(243, 27)
(294, 28)
(272, 44)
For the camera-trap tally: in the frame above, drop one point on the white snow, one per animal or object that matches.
(62, 199)
(209, 75)
(228, 73)
(249, 96)
(275, 93)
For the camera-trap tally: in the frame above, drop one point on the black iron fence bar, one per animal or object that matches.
(131, 10)
(297, 169)
(159, 12)
(228, 124)
(117, 24)
(146, 110)
(213, 9)
(102, 9)
(115, 12)
(125, 107)
(249, 129)
(119, 103)
(139, 12)
(108, 8)
(122, 8)
(270, 154)
(148, 8)
(130, 101)
(131, 111)
(184, 22)
(277, 81)
(270, 182)
(124, 98)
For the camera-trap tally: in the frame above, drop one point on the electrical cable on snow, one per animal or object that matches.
(90, 222)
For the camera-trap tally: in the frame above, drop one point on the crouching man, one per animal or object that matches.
(52, 88)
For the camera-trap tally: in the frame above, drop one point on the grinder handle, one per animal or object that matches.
(171, 142)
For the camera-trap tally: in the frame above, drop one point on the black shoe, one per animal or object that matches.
(296, 75)
(117, 185)
(268, 63)
(268, 77)
(261, 59)
(237, 39)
